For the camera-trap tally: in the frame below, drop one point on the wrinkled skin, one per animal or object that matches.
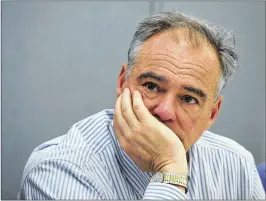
(175, 102)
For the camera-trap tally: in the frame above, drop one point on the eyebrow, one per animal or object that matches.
(152, 75)
(196, 91)
(160, 78)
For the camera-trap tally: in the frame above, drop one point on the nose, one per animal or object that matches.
(165, 111)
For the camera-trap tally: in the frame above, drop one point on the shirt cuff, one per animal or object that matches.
(163, 191)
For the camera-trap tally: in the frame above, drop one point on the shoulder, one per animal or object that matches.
(95, 130)
(81, 144)
(60, 179)
(224, 163)
(224, 145)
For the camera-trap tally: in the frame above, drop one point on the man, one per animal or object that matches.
(155, 144)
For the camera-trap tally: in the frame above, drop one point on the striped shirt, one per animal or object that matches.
(88, 163)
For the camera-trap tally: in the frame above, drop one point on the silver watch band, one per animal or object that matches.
(170, 178)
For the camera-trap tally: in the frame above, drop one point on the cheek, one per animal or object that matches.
(192, 116)
(197, 126)
(187, 121)
(131, 85)
(192, 123)
(192, 129)
(148, 102)
(149, 99)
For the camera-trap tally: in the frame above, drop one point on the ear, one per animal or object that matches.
(215, 111)
(121, 80)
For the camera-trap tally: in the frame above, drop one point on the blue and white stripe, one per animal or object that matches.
(88, 163)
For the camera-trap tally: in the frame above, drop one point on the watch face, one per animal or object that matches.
(157, 177)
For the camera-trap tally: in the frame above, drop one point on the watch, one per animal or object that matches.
(170, 178)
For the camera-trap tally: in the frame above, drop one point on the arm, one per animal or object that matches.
(150, 144)
(58, 179)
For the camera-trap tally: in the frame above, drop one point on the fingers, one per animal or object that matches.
(121, 127)
(129, 114)
(141, 111)
(127, 109)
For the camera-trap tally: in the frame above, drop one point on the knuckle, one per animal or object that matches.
(124, 110)
(136, 129)
(123, 143)
(117, 112)
(116, 115)
(131, 138)
(128, 137)
(136, 106)
(126, 148)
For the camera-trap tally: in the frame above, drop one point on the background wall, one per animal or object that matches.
(60, 62)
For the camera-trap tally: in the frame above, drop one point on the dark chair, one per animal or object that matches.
(262, 172)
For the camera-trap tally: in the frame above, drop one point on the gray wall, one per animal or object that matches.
(60, 61)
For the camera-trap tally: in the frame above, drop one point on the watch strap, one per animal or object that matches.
(172, 178)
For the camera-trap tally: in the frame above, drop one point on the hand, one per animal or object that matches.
(148, 142)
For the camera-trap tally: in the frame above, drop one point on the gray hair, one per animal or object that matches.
(221, 39)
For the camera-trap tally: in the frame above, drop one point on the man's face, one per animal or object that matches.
(178, 83)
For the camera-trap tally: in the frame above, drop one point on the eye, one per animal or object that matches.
(151, 86)
(189, 99)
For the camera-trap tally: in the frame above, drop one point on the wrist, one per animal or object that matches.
(175, 168)
(174, 179)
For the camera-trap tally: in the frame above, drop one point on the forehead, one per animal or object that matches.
(185, 57)
(182, 45)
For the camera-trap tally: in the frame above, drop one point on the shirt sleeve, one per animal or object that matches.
(58, 179)
(258, 191)
(163, 191)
